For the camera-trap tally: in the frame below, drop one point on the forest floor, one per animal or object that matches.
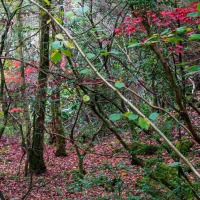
(61, 180)
(109, 173)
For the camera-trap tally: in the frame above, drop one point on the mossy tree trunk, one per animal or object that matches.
(57, 126)
(3, 96)
(36, 159)
(57, 123)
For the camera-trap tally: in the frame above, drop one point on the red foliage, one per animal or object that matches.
(29, 70)
(14, 75)
(161, 19)
(16, 63)
(13, 79)
(16, 110)
(177, 49)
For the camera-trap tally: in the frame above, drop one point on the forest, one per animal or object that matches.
(100, 99)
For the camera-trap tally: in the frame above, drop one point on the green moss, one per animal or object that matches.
(165, 172)
(142, 148)
(152, 190)
(168, 181)
(60, 144)
(184, 146)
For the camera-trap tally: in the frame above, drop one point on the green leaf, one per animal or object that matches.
(84, 71)
(47, 2)
(115, 52)
(188, 29)
(165, 31)
(195, 14)
(115, 117)
(130, 116)
(182, 64)
(48, 21)
(150, 42)
(198, 7)
(67, 53)
(83, 9)
(181, 30)
(199, 26)
(170, 35)
(174, 39)
(56, 56)
(153, 116)
(59, 36)
(175, 164)
(194, 37)
(192, 70)
(127, 114)
(86, 98)
(195, 68)
(90, 55)
(97, 29)
(190, 73)
(105, 53)
(135, 45)
(119, 85)
(133, 117)
(68, 44)
(143, 123)
(59, 20)
(57, 45)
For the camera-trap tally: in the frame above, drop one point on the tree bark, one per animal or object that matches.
(36, 159)
(1, 196)
(57, 124)
(56, 108)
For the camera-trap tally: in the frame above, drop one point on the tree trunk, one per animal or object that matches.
(26, 143)
(36, 159)
(57, 124)
(1, 196)
(3, 97)
(183, 111)
(56, 109)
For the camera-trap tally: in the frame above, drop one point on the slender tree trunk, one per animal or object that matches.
(177, 91)
(183, 111)
(3, 97)
(26, 143)
(36, 159)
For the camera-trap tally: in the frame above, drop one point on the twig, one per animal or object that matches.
(159, 108)
(30, 188)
